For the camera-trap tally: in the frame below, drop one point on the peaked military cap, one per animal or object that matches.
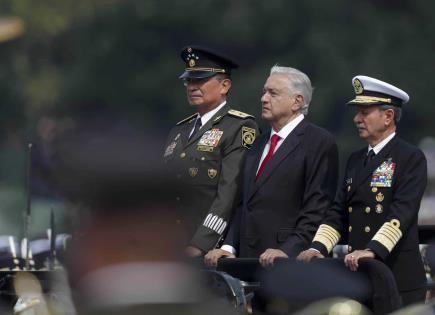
(202, 62)
(371, 91)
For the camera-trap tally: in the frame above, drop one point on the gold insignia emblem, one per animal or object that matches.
(380, 197)
(379, 208)
(192, 63)
(374, 189)
(212, 173)
(248, 136)
(193, 171)
(177, 137)
(358, 87)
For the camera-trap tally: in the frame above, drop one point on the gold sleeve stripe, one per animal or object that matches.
(328, 236)
(389, 234)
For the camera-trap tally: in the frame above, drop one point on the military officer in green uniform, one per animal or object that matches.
(378, 203)
(206, 150)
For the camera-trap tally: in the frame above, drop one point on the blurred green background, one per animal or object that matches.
(118, 61)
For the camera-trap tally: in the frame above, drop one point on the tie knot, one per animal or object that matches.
(274, 140)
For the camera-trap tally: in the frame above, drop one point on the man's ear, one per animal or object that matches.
(225, 86)
(389, 115)
(298, 102)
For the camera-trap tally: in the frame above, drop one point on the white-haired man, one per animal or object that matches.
(289, 178)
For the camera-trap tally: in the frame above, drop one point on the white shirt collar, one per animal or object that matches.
(207, 116)
(287, 129)
(377, 148)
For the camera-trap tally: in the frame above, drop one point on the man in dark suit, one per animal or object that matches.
(379, 199)
(289, 177)
(206, 150)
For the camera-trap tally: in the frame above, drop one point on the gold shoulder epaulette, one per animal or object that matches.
(186, 119)
(239, 114)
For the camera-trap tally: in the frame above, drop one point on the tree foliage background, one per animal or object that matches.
(82, 60)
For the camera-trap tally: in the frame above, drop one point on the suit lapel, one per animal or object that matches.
(286, 148)
(208, 125)
(364, 172)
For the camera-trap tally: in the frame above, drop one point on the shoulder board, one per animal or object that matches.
(239, 114)
(186, 119)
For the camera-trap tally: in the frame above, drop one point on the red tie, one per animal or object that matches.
(273, 142)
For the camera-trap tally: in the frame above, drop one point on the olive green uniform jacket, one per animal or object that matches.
(210, 165)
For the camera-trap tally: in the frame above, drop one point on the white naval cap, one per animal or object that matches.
(371, 91)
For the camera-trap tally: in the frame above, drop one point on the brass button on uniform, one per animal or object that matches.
(203, 158)
(349, 249)
(350, 228)
(367, 229)
(350, 209)
(379, 208)
(374, 189)
(348, 188)
(183, 155)
(367, 209)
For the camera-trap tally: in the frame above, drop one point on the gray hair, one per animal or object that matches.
(299, 83)
(397, 112)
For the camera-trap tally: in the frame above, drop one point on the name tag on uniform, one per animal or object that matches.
(209, 140)
(383, 175)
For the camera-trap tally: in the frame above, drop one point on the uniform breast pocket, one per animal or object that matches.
(207, 169)
(283, 234)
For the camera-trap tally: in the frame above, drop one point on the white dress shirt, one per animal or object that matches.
(207, 116)
(283, 134)
(377, 148)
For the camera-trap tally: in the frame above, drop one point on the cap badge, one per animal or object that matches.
(357, 85)
(192, 63)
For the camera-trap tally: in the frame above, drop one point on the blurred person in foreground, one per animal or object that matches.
(380, 196)
(206, 150)
(289, 179)
(125, 258)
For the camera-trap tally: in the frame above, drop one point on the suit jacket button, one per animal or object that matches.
(367, 229)
(367, 209)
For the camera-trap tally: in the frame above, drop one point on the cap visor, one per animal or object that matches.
(356, 102)
(197, 74)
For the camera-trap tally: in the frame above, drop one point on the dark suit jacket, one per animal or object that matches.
(210, 164)
(284, 207)
(361, 209)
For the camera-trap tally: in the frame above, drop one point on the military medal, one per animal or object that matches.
(170, 149)
(193, 171)
(383, 175)
(379, 208)
(379, 197)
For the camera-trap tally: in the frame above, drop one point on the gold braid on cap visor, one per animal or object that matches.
(370, 99)
(206, 69)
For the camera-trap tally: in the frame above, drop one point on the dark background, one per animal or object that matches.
(117, 62)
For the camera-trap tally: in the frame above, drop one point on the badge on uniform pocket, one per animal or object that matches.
(383, 175)
(212, 173)
(193, 171)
